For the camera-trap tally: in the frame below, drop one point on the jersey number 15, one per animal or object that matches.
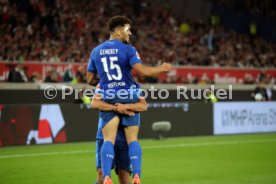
(112, 66)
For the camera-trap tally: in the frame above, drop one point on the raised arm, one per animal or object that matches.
(150, 71)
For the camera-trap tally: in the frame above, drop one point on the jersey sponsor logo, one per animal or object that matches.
(116, 84)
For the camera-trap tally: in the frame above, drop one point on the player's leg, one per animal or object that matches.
(110, 129)
(99, 143)
(131, 130)
(107, 152)
(135, 151)
(122, 162)
(99, 176)
(123, 176)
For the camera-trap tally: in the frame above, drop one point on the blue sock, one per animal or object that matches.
(107, 155)
(135, 155)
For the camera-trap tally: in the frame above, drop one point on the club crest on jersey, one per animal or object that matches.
(138, 56)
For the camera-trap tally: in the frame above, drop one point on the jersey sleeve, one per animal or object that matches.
(91, 67)
(134, 57)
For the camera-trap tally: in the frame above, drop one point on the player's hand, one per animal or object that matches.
(167, 67)
(129, 113)
(122, 108)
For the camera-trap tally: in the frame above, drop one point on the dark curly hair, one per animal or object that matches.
(117, 21)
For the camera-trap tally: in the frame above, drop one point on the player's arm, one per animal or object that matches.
(92, 78)
(143, 70)
(97, 103)
(150, 71)
(140, 106)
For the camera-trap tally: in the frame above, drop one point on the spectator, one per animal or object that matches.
(260, 93)
(68, 74)
(81, 75)
(52, 75)
(17, 74)
(82, 98)
(210, 97)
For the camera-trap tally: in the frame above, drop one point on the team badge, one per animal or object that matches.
(138, 56)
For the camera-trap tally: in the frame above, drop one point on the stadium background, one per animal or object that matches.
(210, 42)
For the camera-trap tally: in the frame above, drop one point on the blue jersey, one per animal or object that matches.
(113, 61)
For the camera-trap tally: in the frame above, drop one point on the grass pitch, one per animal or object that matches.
(242, 159)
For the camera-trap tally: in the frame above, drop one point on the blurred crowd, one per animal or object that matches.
(66, 31)
(19, 73)
(264, 8)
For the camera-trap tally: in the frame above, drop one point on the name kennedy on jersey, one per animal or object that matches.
(108, 51)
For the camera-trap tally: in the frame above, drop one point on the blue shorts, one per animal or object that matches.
(121, 159)
(106, 116)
